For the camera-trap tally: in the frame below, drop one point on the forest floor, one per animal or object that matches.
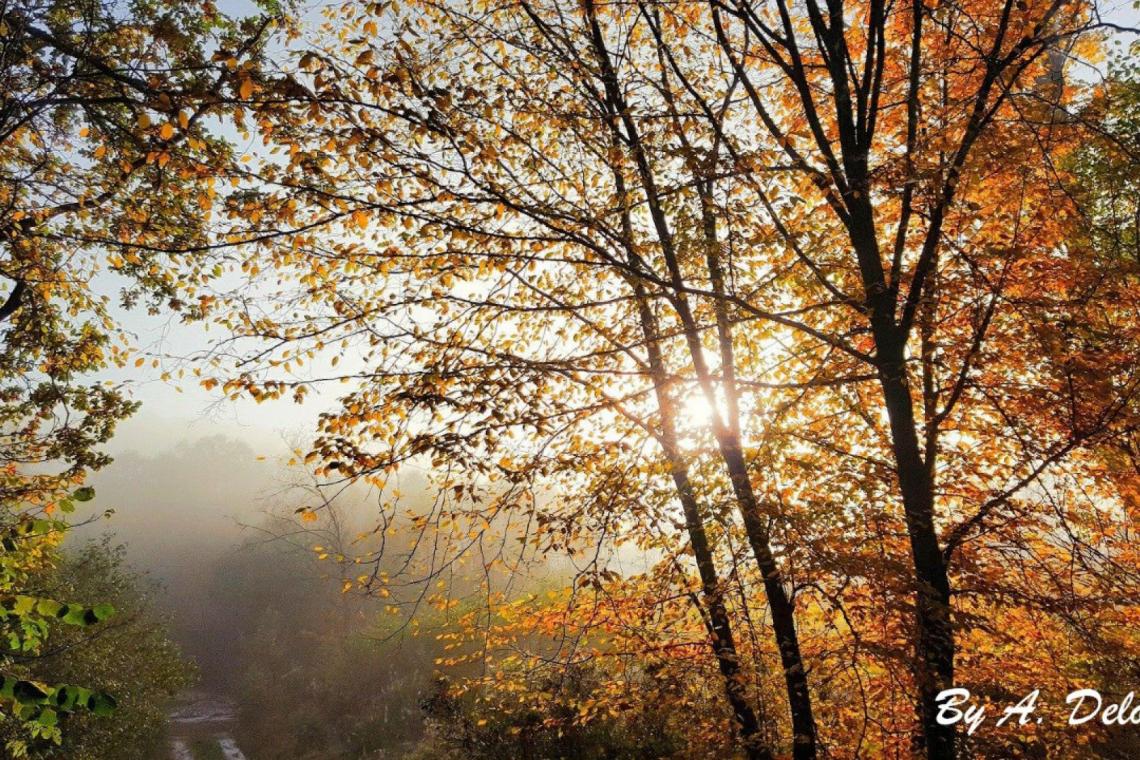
(200, 729)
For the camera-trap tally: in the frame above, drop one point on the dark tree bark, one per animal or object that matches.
(779, 601)
(719, 625)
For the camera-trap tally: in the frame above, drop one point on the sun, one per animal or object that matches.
(696, 411)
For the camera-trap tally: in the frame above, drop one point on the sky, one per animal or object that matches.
(232, 451)
(173, 414)
(192, 466)
(174, 411)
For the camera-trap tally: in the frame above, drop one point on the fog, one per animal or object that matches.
(180, 511)
(288, 664)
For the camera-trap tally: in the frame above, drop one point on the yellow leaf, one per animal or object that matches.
(167, 131)
(308, 516)
(246, 89)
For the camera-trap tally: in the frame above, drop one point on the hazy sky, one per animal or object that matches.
(217, 441)
(191, 464)
(175, 411)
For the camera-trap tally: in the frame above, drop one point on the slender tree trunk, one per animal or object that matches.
(782, 608)
(720, 627)
(728, 442)
(779, 602)
(935, 640)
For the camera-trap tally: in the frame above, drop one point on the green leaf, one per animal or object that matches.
(24, 605)
(68, 697)
(65, 697)
(74, 614)
(102, 704)
(27, 692)
(87, 493)
(48, 607)
(48, 717)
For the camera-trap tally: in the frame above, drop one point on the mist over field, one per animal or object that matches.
(245, 599)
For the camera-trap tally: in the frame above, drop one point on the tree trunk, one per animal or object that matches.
(728, 438)
(934, 643)
(779, 603)
(720, 627)
(934, 647)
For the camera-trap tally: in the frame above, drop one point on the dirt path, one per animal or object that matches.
(200, 729)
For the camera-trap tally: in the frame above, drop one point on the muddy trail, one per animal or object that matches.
(200, 727)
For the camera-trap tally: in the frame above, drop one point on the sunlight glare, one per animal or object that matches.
(697, 412)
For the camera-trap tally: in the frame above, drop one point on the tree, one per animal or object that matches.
(840, 237)
(110, 157)
(30, 618)
(131, 656)
(112, 144)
